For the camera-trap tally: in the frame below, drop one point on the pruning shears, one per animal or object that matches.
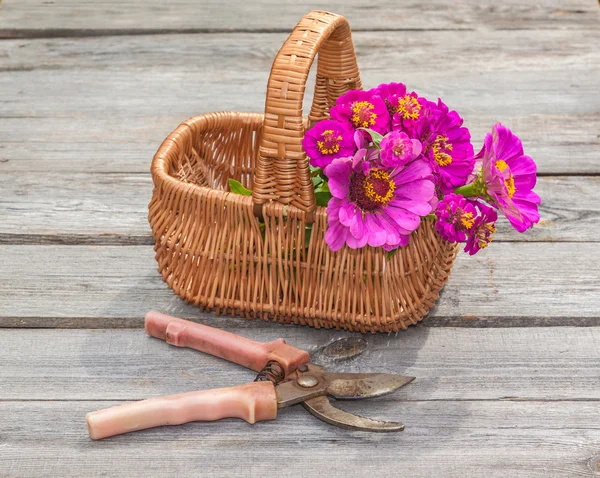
(285, 377)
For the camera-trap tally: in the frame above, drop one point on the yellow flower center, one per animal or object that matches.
(379, 187)
(440, 150)
(408, 107)
(467, 220)
(510, 181)
(510, 186)
(363, 115)
(330, 144)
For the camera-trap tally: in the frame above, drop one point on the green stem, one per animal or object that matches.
(469, 190)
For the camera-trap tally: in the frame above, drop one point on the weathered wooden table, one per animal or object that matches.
(508, 364)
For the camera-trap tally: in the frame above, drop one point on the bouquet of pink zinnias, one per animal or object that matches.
(388, 157)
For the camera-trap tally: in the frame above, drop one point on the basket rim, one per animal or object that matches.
(159, 168)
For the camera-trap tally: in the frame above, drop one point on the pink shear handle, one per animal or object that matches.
(252, 402)
(240, 350)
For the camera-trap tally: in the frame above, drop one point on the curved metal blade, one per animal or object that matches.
(354, 386)
(321, 408)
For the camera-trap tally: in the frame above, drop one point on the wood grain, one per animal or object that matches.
(508, 284)
(497, 402)
(73, 18)
(88, 90)
(112, 208)
(451, 439)
(544, 363)
(106, 104)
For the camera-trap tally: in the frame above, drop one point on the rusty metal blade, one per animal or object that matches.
(321, 408)
(290, 393)
(354, 386)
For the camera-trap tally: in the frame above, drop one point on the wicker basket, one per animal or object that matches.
(246, 255)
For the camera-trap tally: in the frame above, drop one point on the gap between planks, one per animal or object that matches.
(381, 400)
(213, 320)
(147, 240)
(46, 34)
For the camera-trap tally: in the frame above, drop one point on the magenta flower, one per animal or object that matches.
(408, 111)
(480, 234)
(397, 149)
(455, 217)
(407, 107)
(447, 145)
(327, 140)
(379, 208)
(391, 93)
(362, 109)
(509, 178)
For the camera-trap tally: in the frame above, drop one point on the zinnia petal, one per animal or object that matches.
(335, 237)
(377, 236)
(415, 170)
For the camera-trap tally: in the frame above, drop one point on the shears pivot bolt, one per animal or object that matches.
(307, 381)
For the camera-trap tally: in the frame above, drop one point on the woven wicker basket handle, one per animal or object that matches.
(282, 172)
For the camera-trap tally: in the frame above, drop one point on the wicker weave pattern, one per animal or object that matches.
(282, 172)
(212, 250)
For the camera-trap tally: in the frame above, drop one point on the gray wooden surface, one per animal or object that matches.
(74, 98)
(508, 363)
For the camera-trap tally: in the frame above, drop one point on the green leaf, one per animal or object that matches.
(323, 187)
(317, 180)
(375, 136)
(314, 171)
(237, 188)
(391, 253)
(431, 216)
(323, 198)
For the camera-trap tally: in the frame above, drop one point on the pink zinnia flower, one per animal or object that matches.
(480, 235)
(379, 208)
(447, 145)
(399, 101)
(455, 217)
(391, 93)
(362, 109)
(509, 177)
(327, 140)
(407, 109)
(397, 149)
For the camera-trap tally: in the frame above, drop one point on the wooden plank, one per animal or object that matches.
(451, 439)
(521, 364)
(112, 208)
(75, 208)
(42, 18)
(508, 284)
(128, 144)
(106, 104)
